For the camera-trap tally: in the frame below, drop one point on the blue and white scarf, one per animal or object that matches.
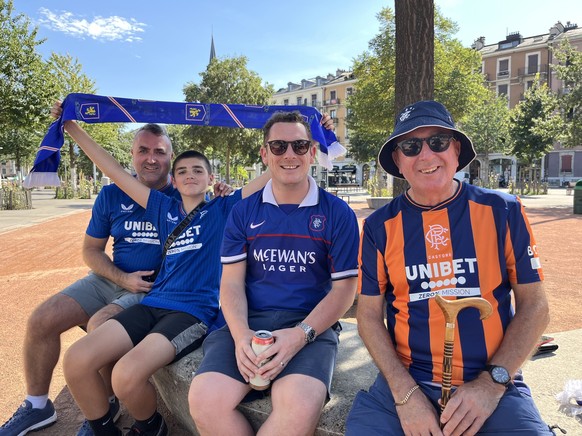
(100, 109)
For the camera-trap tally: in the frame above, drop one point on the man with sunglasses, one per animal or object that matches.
(289, 259)
(443, 237)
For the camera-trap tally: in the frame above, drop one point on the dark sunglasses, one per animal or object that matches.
(412, 146)
(279, 147)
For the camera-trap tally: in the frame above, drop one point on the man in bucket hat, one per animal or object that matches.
(447, 238)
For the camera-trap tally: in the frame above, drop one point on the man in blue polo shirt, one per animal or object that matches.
(111, 286)
(289, 259)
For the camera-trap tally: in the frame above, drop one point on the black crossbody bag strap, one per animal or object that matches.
(176, 232)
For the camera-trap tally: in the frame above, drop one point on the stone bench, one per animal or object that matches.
(354, 371)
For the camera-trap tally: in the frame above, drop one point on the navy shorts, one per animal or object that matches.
(184, 331)
(373, 412)
(315, 360)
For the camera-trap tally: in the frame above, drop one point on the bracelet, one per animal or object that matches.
(407, 396)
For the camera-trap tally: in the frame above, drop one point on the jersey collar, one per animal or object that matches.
(167, 186)
(441, 205)
(311, 199)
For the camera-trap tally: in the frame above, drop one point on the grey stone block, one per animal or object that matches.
(354, 371)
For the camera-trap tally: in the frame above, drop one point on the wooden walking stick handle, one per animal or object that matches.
(450, 309)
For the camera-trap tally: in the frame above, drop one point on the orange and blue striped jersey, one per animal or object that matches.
(475, 244)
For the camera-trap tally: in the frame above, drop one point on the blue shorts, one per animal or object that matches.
(373, 412)
(315, 360)
(183, 330)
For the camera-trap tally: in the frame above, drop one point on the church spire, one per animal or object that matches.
(212, 51)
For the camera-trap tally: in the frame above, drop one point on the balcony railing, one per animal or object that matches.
(533, 69)
(331, 102)
(503, 74)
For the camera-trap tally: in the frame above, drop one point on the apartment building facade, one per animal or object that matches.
(328, 94)
(510, 67)
(8, 170)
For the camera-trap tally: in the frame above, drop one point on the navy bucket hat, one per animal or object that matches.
(426, 113)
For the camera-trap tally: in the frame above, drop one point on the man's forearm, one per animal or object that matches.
(233, 298)
(333, 306)
(235, 309)
(101, 264)
(375, 336)
(379, 344)
(530, 320)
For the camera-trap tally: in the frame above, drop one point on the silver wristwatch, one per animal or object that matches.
(309, 332)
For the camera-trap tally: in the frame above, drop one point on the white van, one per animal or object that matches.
(463, 176)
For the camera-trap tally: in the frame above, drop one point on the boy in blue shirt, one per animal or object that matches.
(173, 318)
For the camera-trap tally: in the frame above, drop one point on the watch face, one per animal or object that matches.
(310, 336)
(500, 375)
(309, 332)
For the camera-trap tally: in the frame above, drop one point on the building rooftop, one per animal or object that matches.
(516, 41)
(339, 76)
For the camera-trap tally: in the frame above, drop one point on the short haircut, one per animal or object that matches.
(285, 117)
(191, 154)
(154, 129)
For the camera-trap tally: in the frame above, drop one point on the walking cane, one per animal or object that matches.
(450, 309)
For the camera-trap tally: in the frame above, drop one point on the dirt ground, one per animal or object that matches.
(38, 261)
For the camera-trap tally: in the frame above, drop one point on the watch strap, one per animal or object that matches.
(309, 332)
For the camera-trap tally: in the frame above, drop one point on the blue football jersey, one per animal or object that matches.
(189, 278)
(136, 241)
(293, 253)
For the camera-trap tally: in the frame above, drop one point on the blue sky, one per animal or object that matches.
(150, 50)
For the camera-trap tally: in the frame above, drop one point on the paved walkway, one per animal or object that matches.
(546, 375)
(44, 207)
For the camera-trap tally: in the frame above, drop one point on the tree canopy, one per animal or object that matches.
(533, 125)
(227, 81)
(569, 69)
(68, 77)
(25, 86)
(457, 80)
(371, 107)
(487, 124)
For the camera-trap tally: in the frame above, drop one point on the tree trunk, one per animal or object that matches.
(73, 166)
(414, 20)
(18, 159)
(227, 169)
(485, 170)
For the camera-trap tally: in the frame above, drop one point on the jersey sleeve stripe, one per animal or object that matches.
(233, 259)
(344, 274)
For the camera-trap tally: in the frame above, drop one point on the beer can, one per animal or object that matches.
(261, 341)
